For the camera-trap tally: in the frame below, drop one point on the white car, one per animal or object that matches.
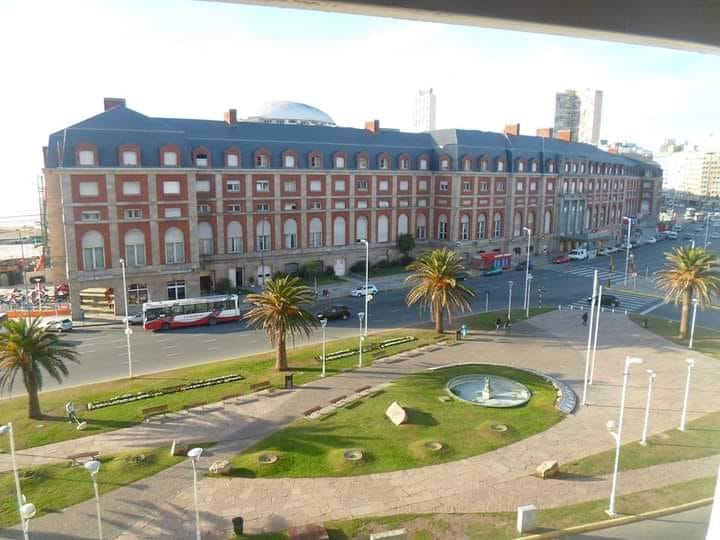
(361, 291)
(135, 318)
(579, 254)
(651, 240)
(715, 235)
(60, 326)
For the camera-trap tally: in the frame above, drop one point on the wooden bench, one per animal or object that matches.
(339, 398)
(154, 411)
(75, 458)
(312, 410)
(200, 404)
(262, 385)
(362, 389)
(228, 400)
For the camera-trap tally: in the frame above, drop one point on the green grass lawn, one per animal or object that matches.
(705, 340)
(701, 439)
(486, 321)
(255, 368)
(314, 448)
(54, 487)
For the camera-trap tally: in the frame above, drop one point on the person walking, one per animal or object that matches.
(508, 325)
(498, 324)
(585, 318)
(70, 410)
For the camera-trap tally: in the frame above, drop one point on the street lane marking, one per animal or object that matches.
(652, 308)
(88, 351)
(214, 348)
(170, 347)
(209, 340)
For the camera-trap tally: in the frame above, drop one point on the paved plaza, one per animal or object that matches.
(161, 506)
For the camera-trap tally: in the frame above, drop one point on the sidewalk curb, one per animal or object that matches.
(619, 521)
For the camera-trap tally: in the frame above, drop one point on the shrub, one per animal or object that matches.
(357, 267)
(222, 286)
(329, 271)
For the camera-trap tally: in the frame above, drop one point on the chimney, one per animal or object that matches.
(564, 135)
(512, 129)
(231, 116)
(111, 102)
(613, 150)
(373, 126)
(546, 133)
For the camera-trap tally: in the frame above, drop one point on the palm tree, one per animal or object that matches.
(437, 287)
(278, 311)
(26, 349)
(690, 273)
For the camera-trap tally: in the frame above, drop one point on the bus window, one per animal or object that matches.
(152, 314)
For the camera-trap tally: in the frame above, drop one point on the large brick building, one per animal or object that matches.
(187, 202)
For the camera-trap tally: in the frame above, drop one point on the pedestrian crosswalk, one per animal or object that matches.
(589, 272)
(632, 303)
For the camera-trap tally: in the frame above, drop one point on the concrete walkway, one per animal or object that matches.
(161, 506)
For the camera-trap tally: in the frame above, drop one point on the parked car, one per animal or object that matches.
(493, 272)
(134, 319)
(335, 312)
(687, 236)
(521, 266)
(715, 235)
(561, 259)
(360, 291)
(609, 300)
(671, 235)
(652, 240)
(579, 254)
(60, 326)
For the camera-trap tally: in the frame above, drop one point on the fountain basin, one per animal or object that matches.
(488, 390)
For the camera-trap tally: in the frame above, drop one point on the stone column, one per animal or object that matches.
(155, 258)
(115, 252)
(219, 216)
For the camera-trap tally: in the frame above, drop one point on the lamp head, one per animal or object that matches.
(92, 467)
(651, 372)
(690, 362)
(27, 511)
(5, 428)
(361, 315)
(195, 453)
(611, 425)
(510, 283)
(122, 261)
(323, 322)
(630, 360)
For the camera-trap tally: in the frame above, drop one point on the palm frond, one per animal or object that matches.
(690, 273)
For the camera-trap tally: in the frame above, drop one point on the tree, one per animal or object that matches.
(278, 310)
(689, 273)
(436, 276)
(406, 243)
(26, 349)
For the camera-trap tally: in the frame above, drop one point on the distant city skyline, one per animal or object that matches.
(238, 56)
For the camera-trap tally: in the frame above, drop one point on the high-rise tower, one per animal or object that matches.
(424, 110)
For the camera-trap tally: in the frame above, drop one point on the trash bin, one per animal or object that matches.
(458, 334)
(289, 381)
(237, 525)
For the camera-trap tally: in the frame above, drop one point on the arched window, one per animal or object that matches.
(316, 234)
(135, 248)
(234, 237)
(383, 229)
(497, 230)
(174, 246)
(481, 227)
(500, 165)
(93, 247)
(339, 231)
(547, 224)
(531, 221)
(205, 238)
(517, 223)
(520, 166)
(361, 228)
(533, 166)
(290, 234)
(464, 228)
(421, 227)
(263, 232)
(402, 224)
(551, 167)
(442, 227)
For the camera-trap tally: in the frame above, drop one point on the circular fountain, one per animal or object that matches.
(488, 390)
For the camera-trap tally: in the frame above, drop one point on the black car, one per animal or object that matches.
(335, 312)
(521, 266)
(607, 300)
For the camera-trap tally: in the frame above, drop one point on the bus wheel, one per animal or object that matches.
(166, 326)
(212, 321)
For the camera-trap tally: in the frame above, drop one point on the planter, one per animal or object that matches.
(354, 454)
(267, 459)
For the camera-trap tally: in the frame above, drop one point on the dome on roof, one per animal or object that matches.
(291, 112)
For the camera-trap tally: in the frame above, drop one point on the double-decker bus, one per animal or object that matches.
(169, 314)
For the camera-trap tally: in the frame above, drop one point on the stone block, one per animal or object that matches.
(396, 414)
(548, 469)
(397, 534)
(222, 467)
(526, 518)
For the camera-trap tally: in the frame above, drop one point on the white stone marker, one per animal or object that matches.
(526, 518)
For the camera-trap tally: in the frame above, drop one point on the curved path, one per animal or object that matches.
(161, 506)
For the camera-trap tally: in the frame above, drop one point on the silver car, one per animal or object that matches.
(60, 326)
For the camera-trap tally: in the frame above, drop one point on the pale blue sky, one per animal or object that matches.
(196, 59)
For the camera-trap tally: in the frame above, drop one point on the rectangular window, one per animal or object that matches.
(234, 208)
(233, 186)
(550, 187)
(362, 204)
(131, 188)
(467, 186)
(339, 185)
(263, 207)
(261, 161)
(170, 159)
(421, 231)
(289, 161)
(404, 203)
(235, 244)
(89, 189)
(315, 185)
(422, 202)
(262, 186)
(93, 258)
(201, 160)
(423, 164)
(422, 185)
(339, 162)
(464, 230)
(483, 186)
(362, 185)
(129, 158)
(263, 242)
(315, 239)
(340, 205)
(444, 185)
(291, 241)
(467, 165)
(404, 185)
(133, 213)
(206, 246)
(90, 216)
(362, 163)
(135, 254)
(171, 187)
(500, 187)
(533, 187)
(383, 185)
(404, 163)
(316, 205)
(442, 230)
(173, 213)
(290, 206)
(176, 290)
(519, 187)
(202, 186)
(290, 185)
(203, 209)
(86, 157)
(232, 160)
(174, 252)
(383, 204)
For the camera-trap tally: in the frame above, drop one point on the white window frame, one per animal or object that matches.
(90, 215)
(202, 186)
(170, 159)
(289, 161)
(339, 162)
(86, 158)
(89, 189)
(131, 187)
(233, 186)
(129, 158)
(133, 213)
(173, 213)
(171, 187)
(232, 161)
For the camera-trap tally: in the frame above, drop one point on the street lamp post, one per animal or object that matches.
(194, 455)
(692, 325)
(510, 285)
(128, 330)
(361, 316)
(323, 323)
(593, 299)
(617, 435)
(683, 417)
(367, 278)
(627, 248)
(595, 337)
(93, 467)
(528, 286)
(707, 230)
(22, 256)
(8, 428)
(651, 379)
(526, 299)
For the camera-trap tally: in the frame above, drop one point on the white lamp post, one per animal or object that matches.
(692, 325)
(528, 285)
(627, 248)
(594, 298)
(128, 330)
(367, 278)
(595, 337)
(93, 467)
(651, 379)
(194, 455)
(361, 315)
(510, 285)
(8, 429)
(27, 512)
(617, 434)
(526, 300)
(683, 417)
(323, 323)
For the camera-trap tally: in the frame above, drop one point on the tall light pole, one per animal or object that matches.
(683, 416)
(323, 323)
(93, 467)
(526, 300)
(594, 298)
(651, 379)
(22, 255)
(692, 325)
(8, 429)
(528, 285)
(361, 315)
(128, 330)
(595, 336)
(194, 455)
(367, 278)
(707, 230)
(510, 284)
(617, 435)
(627, 248)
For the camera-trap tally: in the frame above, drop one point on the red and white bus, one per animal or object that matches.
(169, 314)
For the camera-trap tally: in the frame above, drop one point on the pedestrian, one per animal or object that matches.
(498, 324)
(585, 318)
(70, 410)
(508, 324)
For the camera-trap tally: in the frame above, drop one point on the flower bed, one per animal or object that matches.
(127, 398)
(396, 341)
(382, 345)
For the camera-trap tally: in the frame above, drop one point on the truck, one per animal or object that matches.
(579, 254)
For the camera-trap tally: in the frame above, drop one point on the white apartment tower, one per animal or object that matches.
(424, 110)
(590, 116)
